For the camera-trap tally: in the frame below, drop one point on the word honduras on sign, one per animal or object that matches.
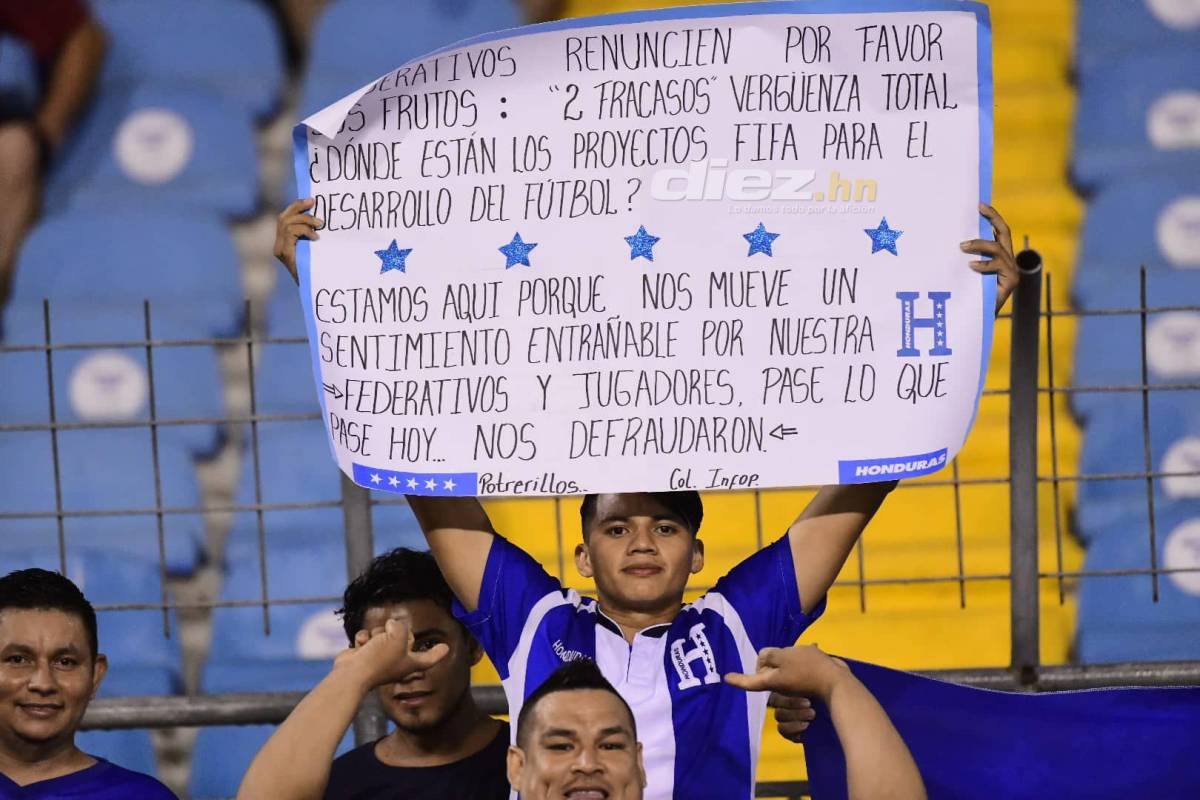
(709, 248)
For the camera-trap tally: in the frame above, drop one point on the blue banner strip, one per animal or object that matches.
(873, 470)
(430, 484)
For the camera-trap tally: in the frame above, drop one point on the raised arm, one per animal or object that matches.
(457, 528)
(823, 535)
(879, 765)
(460, 535)
(295, 762)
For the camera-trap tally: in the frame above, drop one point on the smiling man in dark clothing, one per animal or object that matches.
(407, 646)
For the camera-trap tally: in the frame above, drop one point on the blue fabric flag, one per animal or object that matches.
(971, 743)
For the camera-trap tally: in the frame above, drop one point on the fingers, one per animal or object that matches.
(795, 715)
(361, 638)
(308, 219)
(427, 658)
(300, 230)
(769, 657)
(751, 683)
(985, 247)
(792, 731)
(788, 701)
(999, 226)
(296, 206)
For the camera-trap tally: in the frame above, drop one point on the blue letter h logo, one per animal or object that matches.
(908, 322)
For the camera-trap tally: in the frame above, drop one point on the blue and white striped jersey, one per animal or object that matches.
(700, 737)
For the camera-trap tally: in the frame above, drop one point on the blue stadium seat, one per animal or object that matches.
(159, 146)
(1118, 620)
(1113, 443)
(112, 384)
(285, 312)
(18, 77)
(231, 47)
(1155, 223)
(1108, 348)
(1137, 116)
(297, 467)
(223, 754)
(186, 266)
(1109, 29)
(347, 54)
(100, 470)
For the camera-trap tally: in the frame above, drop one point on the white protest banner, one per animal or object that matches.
(709, 247)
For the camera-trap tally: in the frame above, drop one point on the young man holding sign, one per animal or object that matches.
(700, 735)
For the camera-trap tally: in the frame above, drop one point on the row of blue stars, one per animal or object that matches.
(641, 245)
(422, 483)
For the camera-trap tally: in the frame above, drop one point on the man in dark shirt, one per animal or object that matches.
(407, 646)
(50, 668)
(68, 47)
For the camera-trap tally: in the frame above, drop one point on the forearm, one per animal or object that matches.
(878, 763)
(460, 536)
(294, 763)
(823, 535)
(70, 82)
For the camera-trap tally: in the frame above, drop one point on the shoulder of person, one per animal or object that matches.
(147, 787)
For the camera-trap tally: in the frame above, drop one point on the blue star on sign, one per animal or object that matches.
(641, 244)
(517, 252)
(392, 258)
(883, 238)
(760, 240)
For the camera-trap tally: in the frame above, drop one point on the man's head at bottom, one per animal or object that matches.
(49, 664)
(407, 584)
(576, 738)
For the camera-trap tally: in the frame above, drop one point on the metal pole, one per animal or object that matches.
(370, 723)
(270, 708)
(1023, 467)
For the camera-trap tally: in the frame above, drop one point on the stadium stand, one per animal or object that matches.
(1136, 144)
(1115, 29)
(1108, 350)
(111, 384)
(1114, 445)
(335, 70)
(1138, 116)
(231, 48)
(1136, 150)
(1119, 617)
(1138, 222)
(185, 265)
(100, 470)
(159, 145)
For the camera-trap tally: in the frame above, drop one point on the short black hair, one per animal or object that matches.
(579, 674)
(394, 577)
(687, 505)
(43, 590)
